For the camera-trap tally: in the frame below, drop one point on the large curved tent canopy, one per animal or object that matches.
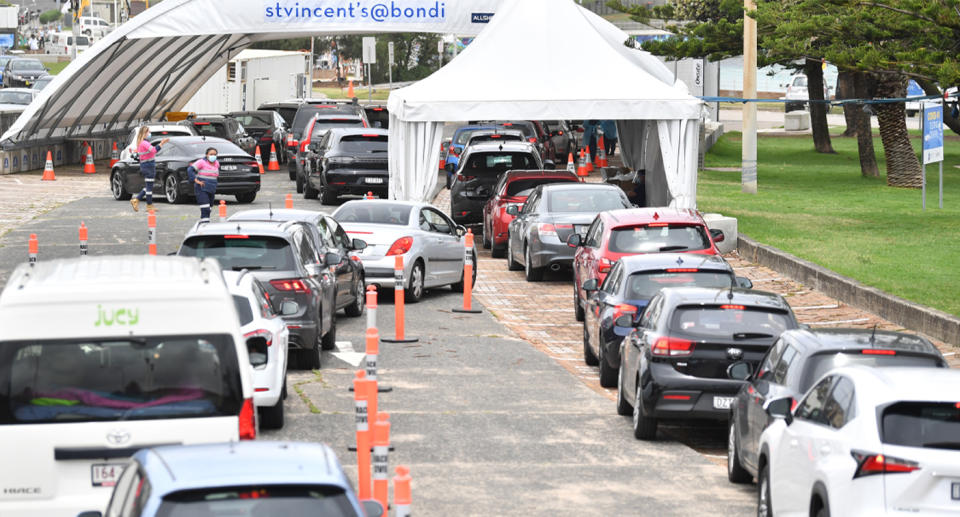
(158, 60)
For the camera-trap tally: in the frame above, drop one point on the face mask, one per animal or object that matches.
(212, 158)
(147, 137)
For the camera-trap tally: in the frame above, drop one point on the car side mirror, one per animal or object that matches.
(513, 210)
(717, 235)
(358, 244)
(744, 282)
(461, 231)
(549, 164)
(289, 308)
(575, 241)
(780, 408)
(332, 259)
(372, 508)
(739, 371)
(257, 350)
(590, 285)
(624, 321)
(90, 514)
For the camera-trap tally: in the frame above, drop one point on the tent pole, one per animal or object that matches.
(748, 171)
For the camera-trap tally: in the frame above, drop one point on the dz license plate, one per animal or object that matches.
(722, 402)
(374, 181)
(955, 492)
(229, 167)
(106, 474)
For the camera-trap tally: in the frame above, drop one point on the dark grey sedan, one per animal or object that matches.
(537, 236)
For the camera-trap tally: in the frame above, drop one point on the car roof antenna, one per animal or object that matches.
(873, 335)
(270, 208)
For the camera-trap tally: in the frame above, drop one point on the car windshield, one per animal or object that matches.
(654, 239)
(82, 41)
(498, 162)
(83, 379)
(373, 213)
(523, 188)
(645, 285)
(463, 136)
(240, 252)
(259, 501)
(820, 364)
(800, 81)
(9, 97)
(26, 65)
(323, 125)
(217, 129)
(371, 143)
(223, 148)
(931, 425)
(584, 200)
(729, 322)
(42, 83)
(305, 114)
(264, 119)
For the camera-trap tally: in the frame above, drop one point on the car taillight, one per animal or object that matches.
(248, 421)
(870, 464)
(623, 309)
(453, 151)
(547, 229)
(465, 178)
(266, 138)
(658, 225)
(303, 146)
(870, 351)
(672, 347)
(294, 285)
(265, 334)
(400, 246)
(560, 133)
(605, 265)
(532, 140)
(251, 164)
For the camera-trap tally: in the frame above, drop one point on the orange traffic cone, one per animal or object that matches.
(601, 152)
(259, 159)
(572, 167)
(88, 167)
(48, 174)
(350, 94)
(589, 162)
(582, 166)
(273, 164)
(443, 158)
(114, 155)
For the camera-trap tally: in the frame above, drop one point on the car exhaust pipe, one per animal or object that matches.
(554, 267)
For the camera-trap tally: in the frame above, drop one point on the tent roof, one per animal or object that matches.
(547, 59)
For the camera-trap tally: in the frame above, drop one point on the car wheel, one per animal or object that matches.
(588, 356)
(414, 291)
(623, 407)
(577, 308)
(764, 502)
(291, 173)
(822, 511)
(644, 427)
(497, 251)
(608, 376)
(299, 185)
(512, 265)
(355, 308)
(283, 394)
(486, 240)
(735, 471)
(308, 191)
(329, 340)
(171, 189)
(246, 198)
(328, 196)
(534, 274)
(272, 417)
(116, 187)
(310, 359)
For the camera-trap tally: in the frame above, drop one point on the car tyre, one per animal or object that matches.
(171, 189)
(291, 173)
(822, 511)
(299, 185)
(329, 340)
(608, 376)
(512, 265)
(577, 308)
(308, 191)
(735, 471)
(271, 417)
(497, 251)
(116, 187)
(355, 308)
(623, 407)
(246, 198)
(588, 356)
(764, 502)
(486, 241)
(328, 196)
(414, 291)
(644, 427)
(533, 274)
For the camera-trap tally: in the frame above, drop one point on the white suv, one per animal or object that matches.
(865, 441)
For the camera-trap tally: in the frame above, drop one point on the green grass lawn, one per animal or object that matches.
(361, 93)
(56, 68)
(820, 208)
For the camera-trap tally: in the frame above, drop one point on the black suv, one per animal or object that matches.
(267, 128)
(225, 127)
(347, 161)
(674, 365)
(314, 132)
(306, 111)
(793, 364)
(478, 172)
(285, 259)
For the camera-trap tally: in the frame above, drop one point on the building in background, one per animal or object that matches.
(253, 78)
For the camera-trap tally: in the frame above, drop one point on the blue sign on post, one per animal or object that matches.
(932, 134)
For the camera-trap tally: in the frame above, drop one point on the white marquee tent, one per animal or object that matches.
(543, 60)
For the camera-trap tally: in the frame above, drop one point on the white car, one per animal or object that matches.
(17, 99)
(60, 43)
(865, 442)
(94, 28)
(157, 133)
(797, 91)
(258, 320)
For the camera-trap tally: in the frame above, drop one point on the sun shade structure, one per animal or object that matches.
(588, 73)
(158, 60)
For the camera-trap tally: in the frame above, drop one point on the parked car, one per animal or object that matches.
(282, 256)
(562, 137)
(535, 135)
(614, 306)
(17, 98)
(119, 368)
(4, 59)
(457, 143)
(222, 126)
(430, 243)
(619, 233)
(328, 237)
(42, 82)
(537, 238)
(94, 28)
(865, 441)
(347, 161)
(258, 321)
(797, 91)
(253, 478)
(313, 133)
(267, 128)
(158, 131)
(61, 43)
(495, 136)
(796, 361)
(377, 116)
(22, 72)
(513, 189)
(286, 109)
(674, 364)
(480, 170)
(239, 174)
(304, 116)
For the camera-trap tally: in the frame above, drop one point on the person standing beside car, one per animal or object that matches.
(609, 128)
(590, 137)
(147, 155)
(204, 174)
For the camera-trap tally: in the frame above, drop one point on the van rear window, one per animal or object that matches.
(239, 252)
(84, 380)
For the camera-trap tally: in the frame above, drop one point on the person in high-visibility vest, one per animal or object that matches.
(147, 154)
(204, 173)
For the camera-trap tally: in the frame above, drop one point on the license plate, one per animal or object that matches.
(106, 474)
(723, 402)
(955, 492)
(229, 167)
(374, 181)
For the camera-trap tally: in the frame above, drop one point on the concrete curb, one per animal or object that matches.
(934, 323)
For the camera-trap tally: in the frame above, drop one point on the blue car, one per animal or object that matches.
(612, 309)
(246, 478)
(457, 143)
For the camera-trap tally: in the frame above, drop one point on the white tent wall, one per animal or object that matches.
(414, 156)
(666, 150)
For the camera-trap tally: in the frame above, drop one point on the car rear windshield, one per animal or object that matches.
(584, 200)
(223, 148)
(323, 125)
(374, 213)
(363, 143)
(525, 187)
(217, 129)
(729, 322)
(931, 425)
(498, 162)
(239, 252)
(82, 379)
(306, 112)
(259, 501)
(255, 119)
(643, 286)
(494, 138)
(8, 97)
(81, 41)
(819, 364)
(646, 239)
(243, 309)
(464, 136)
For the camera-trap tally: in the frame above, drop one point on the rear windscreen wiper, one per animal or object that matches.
(750, 335)
(672, 248)
(251, 268)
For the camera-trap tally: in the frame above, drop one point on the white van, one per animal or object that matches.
(94, 28)
(102, 356)
(59, 43)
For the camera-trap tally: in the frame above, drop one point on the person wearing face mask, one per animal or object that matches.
(148, 166)
(204, 174)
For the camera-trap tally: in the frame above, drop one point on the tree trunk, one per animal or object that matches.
(930, 88)
(862, 89)
(818, 110)
(847, 90)
(903, 166)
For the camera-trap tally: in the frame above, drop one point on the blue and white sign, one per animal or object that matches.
(932, 134)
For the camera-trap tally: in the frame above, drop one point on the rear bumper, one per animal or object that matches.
(353, 181)
(267, 378)
(553, 255)
(303, 334)
(62, 506)
(466, 210)
(238, 187)
(380, 271)
(687, 397)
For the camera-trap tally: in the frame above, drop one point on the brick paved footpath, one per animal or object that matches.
(24, 196)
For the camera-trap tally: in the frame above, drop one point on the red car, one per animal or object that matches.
(513, 188)
(634, 231)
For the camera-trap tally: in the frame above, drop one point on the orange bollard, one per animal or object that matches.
(289, 202)
(48, 174)
(152, 233)
(468, 276)
(398, 304)
(33, 248)
(589, 161)
(361, 400)
(381, 456)
(601, 150)
(402, 496)
(373, 350)
(114, 155)
(443, 158)
(83, 239)
(88, 166)
(350, 95)
(223, 210)
(273, 164)
(259, 159)
(371, 307)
